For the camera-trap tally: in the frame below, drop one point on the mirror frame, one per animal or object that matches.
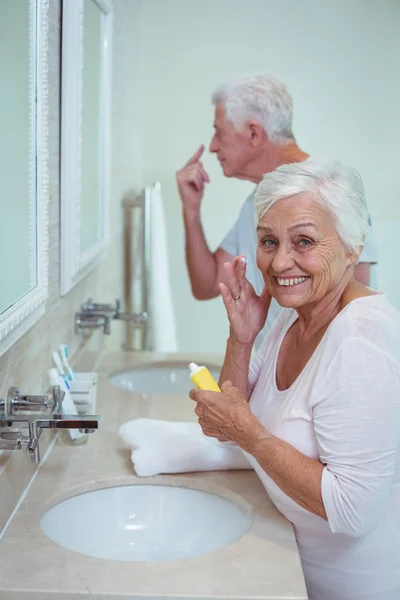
(16, 320)
(74, 265)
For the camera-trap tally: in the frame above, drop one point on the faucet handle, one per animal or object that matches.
(58, 397)
(15, 402)
(92, 320)
(86, 305)
(97, 307)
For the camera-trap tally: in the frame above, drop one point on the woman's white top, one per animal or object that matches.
(343, 410)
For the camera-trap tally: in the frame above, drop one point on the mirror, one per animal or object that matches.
(85, 138)
(23, 166)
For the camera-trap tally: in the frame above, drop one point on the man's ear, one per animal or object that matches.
(256, 133)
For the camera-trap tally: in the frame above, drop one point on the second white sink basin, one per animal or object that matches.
(145, 523)
(166, 378)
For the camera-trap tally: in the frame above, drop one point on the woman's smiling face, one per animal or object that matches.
(299, 253)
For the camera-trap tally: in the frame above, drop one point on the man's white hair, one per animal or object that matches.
(337, 187)
(260, 97)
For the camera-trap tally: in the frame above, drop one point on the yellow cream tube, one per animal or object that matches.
(202, 378)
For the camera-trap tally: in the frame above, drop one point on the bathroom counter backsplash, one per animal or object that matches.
(262, 564)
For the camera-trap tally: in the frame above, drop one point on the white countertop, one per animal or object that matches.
(263, 564)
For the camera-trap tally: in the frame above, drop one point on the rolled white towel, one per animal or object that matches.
(177, 447)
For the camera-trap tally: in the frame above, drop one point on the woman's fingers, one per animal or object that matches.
(229, 302)
(203, 396)
(193, 394)
(211, 432)
(231, 281)
(207, 429)
(223, 288)
(236, 277)
(240, 270)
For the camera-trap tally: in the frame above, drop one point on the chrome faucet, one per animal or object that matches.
(94, 315)
(90, 320)
(95, 307)
(85, 424)
(21, 411)
(15, 402)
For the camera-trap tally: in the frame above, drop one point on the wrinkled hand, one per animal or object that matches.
(246, 311)
(226, 415)
(191, 180)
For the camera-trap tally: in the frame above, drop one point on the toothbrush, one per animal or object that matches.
(59, 367)
(64, 359)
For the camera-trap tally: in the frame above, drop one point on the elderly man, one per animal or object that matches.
(253, 136)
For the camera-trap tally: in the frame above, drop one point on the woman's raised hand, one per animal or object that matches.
(246, 311)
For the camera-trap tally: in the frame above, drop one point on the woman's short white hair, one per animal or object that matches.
(260, 97)
(337, 187)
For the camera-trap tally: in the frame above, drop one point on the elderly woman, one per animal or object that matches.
(317, 411)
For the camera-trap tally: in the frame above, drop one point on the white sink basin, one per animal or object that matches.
(145, 523)
(166, 378)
